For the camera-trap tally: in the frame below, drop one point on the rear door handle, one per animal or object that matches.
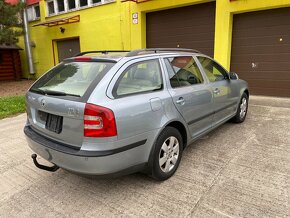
(180, 101)
(216, 91)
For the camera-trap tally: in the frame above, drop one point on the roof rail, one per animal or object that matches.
(101, 51)
(159, 50)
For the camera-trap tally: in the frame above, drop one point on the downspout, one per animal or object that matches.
(27, 41)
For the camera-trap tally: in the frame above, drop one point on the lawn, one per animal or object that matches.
(11, 105)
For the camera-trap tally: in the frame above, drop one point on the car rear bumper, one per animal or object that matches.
(123, 160)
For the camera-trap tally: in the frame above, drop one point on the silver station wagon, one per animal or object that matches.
(113, 113)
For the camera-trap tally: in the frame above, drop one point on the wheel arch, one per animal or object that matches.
(180, 126)
(247, 92)
(182, 130)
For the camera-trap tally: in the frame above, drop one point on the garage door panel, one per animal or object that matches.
(263, 66)
(196, 30)
(269, 75)
(168, 22)
(270, 91)
(265, 40)
(7, 67)
(184, 36)
(264, 18)
(283, 48)
(203, 41)
(261, 51)
(188, 27)
(260, 58)
(271, 84)
(265, 22)
(262, 32)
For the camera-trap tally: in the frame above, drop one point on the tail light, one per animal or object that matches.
(99, 121)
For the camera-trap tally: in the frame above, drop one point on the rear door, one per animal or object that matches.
(225, 97)
(138, 98)
(191, 95)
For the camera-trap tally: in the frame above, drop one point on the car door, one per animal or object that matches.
(190, 94)
(224, 102)
(138, 97)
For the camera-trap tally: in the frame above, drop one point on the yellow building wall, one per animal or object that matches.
(102, 27)
(110, 26)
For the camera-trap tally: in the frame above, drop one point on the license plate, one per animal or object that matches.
(54, 123)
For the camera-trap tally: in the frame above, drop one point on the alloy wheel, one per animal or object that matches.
(169, 154)
(243, 108)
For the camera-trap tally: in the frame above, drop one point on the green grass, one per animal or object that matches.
(11, 105)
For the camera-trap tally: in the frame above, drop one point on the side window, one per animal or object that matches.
(213, 70)
(183, 71)
(138, 78)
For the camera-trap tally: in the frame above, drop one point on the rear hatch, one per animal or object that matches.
(56, 102)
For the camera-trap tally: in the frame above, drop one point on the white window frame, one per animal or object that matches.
(99, 3)
(31, 12)
(47, 8)
(66, 5)
(77, 3)
(85, 6)
(60, 12)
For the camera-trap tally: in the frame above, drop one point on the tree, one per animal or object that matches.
(10, 22)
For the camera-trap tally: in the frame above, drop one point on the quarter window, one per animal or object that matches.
(183, 71)
(213, 70)
(139, 78)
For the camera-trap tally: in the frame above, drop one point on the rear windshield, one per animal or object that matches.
(71, 79)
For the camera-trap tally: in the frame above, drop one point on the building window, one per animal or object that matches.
(71, 4)
(33, 12)
(59, 6)
(83, 3)
(50, 8)
(37, 11)
(96, 1)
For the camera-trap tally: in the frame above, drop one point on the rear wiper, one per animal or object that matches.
(55, 93)
(58, 93)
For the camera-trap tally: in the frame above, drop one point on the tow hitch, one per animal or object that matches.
(40, 166)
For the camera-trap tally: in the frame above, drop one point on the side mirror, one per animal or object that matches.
(233, 76)
(192, 80)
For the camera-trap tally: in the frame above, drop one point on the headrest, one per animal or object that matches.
(142, 73)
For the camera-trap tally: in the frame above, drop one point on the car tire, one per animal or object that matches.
(167, 154)
(242, 109)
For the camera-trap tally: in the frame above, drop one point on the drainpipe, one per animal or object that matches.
(27, 41)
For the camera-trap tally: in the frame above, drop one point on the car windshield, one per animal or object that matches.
(70, 79)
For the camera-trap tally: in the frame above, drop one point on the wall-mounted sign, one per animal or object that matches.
(135, 18)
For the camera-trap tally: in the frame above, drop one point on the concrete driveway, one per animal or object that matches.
(236, 171)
